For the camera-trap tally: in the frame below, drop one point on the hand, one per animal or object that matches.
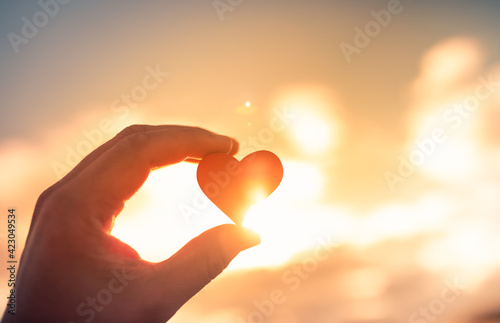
(72, 270)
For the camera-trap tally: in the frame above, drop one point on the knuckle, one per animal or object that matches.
(61, 200)
(199, 129)
(135, 141)
(132, 129)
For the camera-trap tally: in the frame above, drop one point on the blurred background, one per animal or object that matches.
(385, 115)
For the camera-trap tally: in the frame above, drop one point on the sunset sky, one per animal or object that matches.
(385, 115)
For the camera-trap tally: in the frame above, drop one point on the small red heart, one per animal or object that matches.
(235, 185)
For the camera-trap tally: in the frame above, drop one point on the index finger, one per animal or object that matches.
(119, 172)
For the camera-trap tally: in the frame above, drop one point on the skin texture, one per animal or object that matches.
(72, 270)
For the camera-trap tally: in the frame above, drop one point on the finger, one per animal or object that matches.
(87, 160)
(117, 173)
(139, 128)
(234, 150)
(84, 163)
(104, 147)
(200, 261)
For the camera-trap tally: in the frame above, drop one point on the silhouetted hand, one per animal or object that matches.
(72, 270)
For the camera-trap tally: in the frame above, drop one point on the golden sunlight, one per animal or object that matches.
(166, 213)
(280, 218)
(315, 127)
(170, 209)
(311, 132)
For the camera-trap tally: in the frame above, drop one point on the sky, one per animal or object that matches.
(384, 113)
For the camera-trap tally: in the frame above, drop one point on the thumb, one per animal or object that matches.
(201, 260)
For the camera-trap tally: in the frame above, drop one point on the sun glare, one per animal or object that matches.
(170, 209)
(312, 133)
(314, 124)
(259, 196)
(281, 217)
(166, 213)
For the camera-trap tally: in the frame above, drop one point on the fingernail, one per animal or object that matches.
(235, 146)
(248, 238)
(240, 239)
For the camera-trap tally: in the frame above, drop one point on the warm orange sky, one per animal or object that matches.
(275, 75)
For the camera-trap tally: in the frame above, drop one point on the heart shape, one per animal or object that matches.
(233, 186)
